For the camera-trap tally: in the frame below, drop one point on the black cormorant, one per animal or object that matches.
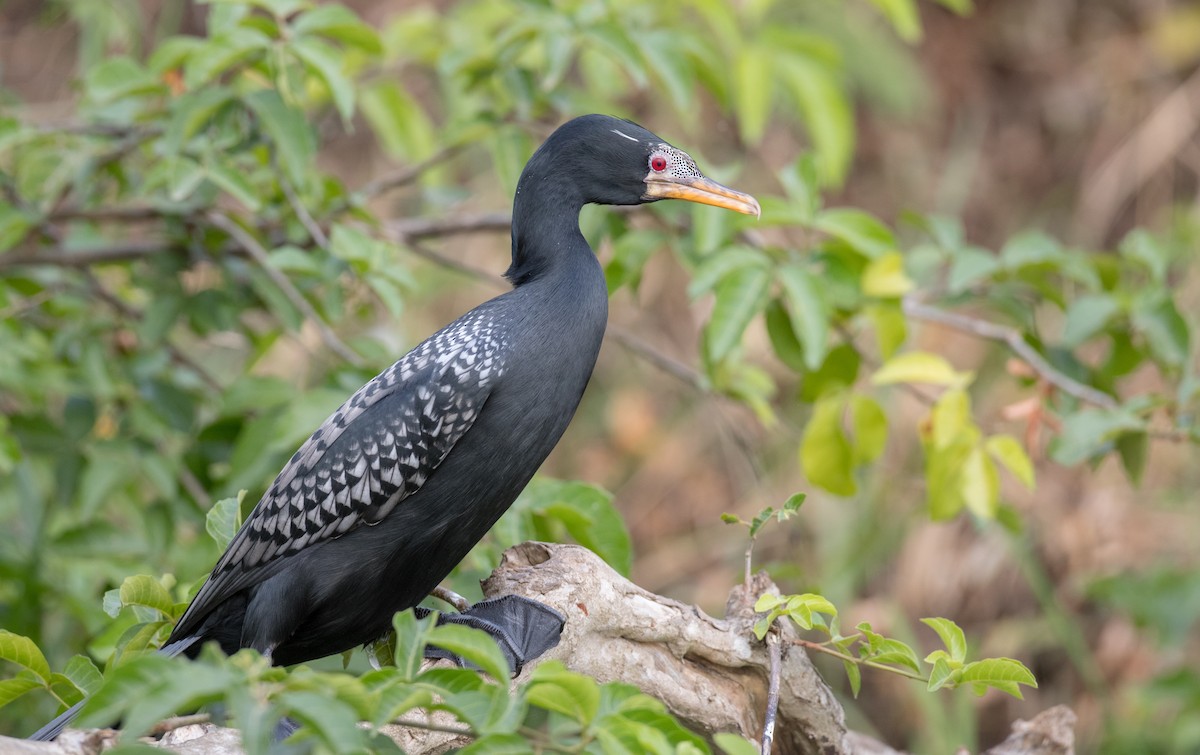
(394, 489)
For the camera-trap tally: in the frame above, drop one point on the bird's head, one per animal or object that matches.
(614, 161)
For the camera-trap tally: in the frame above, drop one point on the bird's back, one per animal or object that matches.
(393, 490)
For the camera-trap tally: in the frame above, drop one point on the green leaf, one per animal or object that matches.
(740, 296)
(971, 265)
(412, 635)
(144, 590)
(228, 48)
(225, 174)
(920, 367)
(888, 650)
(941, 674)
(149, 688)
(783, 338)
(1139, 245)
(23, 652)
(1134, 448)
(591, 519)
(629, 255)
(1165, 331)
(792, 504)
(193, 111)
(669, 63)
(497, 744)
(768, 602)
(904, 17)
(326, 63)
(799, 180)
(808, 311)
(752, 77)
(854, 676)
(295, 143)
(1087, 316)
(11, 689)
(735, 744)
(869, 423)
(980, 485)
(885, 278)
(822, 99)
(553, 687)
(951, 635)
(1003, 674)
(837, 372)
(333, 721)
(1085, 434)
(716, 267)
(14, 225)
(399, 123)
(891, 329)
(472, 645)
(825, 454)
(860, 231)
(611, 37)
(1008, 451)
(119, 78)
(339, 23)
(224, 519)
(1030, 248)
(83, 674)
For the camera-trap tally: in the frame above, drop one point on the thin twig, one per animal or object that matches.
(126, 214)
(443, 593)
(97, 129)
(410, 724)
(667, 364)
(177, 722)
(194, 488)
(442, 260)
(407, 175)
(259, 255)
(87, 256)
(306, 218)
(818, 647)
(1015, 341)
(776, 655)
(415, 229)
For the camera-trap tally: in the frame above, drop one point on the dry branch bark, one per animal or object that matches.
(711, 673)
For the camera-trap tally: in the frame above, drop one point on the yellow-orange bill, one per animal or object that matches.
(704, 191)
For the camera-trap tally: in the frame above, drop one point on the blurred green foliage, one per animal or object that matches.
(158, 252)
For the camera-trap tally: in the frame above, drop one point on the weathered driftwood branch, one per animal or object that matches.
(710, 672)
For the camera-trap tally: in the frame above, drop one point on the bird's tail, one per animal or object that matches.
(50, 731)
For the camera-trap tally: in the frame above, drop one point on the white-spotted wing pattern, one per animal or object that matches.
(377, 449)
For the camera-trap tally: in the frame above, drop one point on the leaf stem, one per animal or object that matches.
(822, 648)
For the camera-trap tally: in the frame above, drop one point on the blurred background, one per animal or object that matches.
(1076, 118)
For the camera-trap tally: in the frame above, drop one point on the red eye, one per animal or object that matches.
(658, 163)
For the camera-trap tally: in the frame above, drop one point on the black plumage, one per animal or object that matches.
(394, 489)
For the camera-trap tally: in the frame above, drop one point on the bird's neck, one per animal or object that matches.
(545, 228)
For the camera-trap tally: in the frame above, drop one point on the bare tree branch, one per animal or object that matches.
(306, 218)
(406, 176)
(260, 256)
(1015, 341)
(29, 254)
(415, 229)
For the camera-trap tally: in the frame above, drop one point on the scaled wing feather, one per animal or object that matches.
(377, 449)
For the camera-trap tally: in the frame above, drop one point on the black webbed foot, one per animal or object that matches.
(523, 628)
